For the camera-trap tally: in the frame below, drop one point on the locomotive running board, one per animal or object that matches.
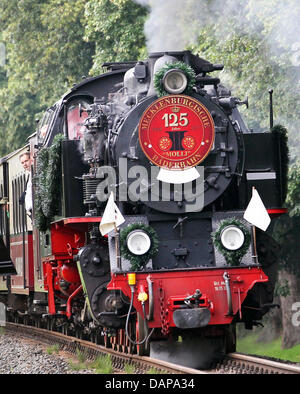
(6, 265)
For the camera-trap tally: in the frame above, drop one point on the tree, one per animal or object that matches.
(116, 28)
(44, 57)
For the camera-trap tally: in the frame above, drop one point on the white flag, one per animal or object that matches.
(256, 212)
(112, 216)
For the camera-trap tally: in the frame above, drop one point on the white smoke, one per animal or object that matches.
(174, 25)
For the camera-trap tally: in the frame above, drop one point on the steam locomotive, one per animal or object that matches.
(166, 142)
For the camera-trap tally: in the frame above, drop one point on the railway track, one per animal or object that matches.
(91, 351)
(244, 364)
(233, 363)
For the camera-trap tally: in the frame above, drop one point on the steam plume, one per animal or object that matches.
(174, 25)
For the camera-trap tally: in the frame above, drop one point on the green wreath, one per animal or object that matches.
(232, 257)
(48, 183)
(138, 261)
(189, 72)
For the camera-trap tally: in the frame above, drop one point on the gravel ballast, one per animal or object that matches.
(22, 356)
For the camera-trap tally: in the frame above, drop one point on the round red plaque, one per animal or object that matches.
(176, 132)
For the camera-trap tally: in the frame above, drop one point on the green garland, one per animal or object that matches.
(48, 183)
(232, 257)
(189, 72)
(138, 261)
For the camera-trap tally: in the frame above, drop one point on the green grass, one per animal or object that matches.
(53, 349)
(129, 369)
(250, 345)
(103, 365)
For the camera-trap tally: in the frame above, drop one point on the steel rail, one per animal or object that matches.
(91, 351)
(232, 363)
(259, 364)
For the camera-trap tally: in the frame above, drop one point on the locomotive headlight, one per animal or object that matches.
(138, 242)
(175, 81)
(232, 238)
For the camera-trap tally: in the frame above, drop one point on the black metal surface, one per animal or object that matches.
(6, 264)
(221, 162)
(191, 318)
(105, 306)
(185, 245)
(72, 169)
(263, 157)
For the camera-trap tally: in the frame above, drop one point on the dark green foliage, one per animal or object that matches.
(286, 230)
(116, 28)
(293, 195)
(43, 58)
(48, 183)
(232, 257)
(138, 262)
(287, 234)
(51, 44)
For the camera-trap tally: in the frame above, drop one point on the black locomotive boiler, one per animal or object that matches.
(179, 265)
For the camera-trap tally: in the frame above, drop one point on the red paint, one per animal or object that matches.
(75, 123)
(176, 132)
(61, 277)
(277, 211)
(170, 288)
(16, 253)
(70, 299)
(48, 280)
(69, 272)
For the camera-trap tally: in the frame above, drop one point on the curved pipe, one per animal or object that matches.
(151, 298)
(69, 302)
(229, 298)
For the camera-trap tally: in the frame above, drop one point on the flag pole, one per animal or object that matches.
(118, 257)
(111, 219)
(255, 257)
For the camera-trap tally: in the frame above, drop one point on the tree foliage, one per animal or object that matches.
(45, 55)
(50, 45)
(116, 28)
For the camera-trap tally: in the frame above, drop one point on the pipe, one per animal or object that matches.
(69, 311)
(151, 298)
(271, 108)
(229, 298)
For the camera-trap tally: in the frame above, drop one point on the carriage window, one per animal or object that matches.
(19, 216)
(77, 113)
(14, 199)
(1, 212)
(45, 123)
(24, 177)
(18, 205)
